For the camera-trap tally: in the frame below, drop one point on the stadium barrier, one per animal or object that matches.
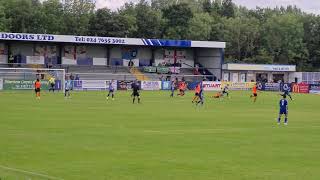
(8, 84)
(85, 85)
(314, 89)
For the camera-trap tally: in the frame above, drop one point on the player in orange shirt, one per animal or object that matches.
(254, 92)
(182, 88)
(197, 93)
(37, 88)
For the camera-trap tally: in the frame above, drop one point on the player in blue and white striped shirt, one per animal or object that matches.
(67, 88)
(283, 110)
(111, 90)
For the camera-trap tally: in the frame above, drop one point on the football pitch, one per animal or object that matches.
(87, 137)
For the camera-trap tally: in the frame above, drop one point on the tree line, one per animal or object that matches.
(283, 35)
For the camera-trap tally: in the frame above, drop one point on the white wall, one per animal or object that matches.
(210, 58)
(294, 75)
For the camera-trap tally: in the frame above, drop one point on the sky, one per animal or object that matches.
(310, 6)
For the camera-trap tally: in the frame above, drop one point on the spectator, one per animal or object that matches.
(161, 78)
(11, 60)
(49, 63)
(72, 80)
(130, 64)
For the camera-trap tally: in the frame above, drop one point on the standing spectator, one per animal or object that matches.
(11, 60)
(130, 64)
(161, 78)
(71, 79)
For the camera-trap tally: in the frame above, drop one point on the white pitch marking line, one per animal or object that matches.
(189, 131)
(30, 173)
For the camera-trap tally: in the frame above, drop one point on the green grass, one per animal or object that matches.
(87, 137)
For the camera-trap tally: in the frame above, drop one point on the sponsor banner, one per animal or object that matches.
(134, 61)
(315, 88)
(260, 67)
(100, 61)
(3, 59)
(285, 87)
(211, 86)
(151, 85)
(125, 85)
(77, 85)
(58, 85)
(35, 59)
(23, 84)
(94, 84)
(175, 70)
(163, 70)
(109, 40)
(166, 85)
(1, 84)
(271, 86)
(300, 88)
(192, 85)
(150, 69)
(239, 85)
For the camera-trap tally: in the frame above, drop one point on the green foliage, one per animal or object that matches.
(263, 35)
(283, 36)
(177, 20)
(200, 27)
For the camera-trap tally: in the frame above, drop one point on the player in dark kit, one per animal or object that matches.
(283, 110)
(225, 90)
(173, 86)
(287, 93)
(135, 88)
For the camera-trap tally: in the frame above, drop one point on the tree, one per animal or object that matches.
(4, 22)
(200, 27)
(20, 13)
(177, 21)
(312, 40)
(207, 6)
(283, 37)
(149, 21)
(77, 14)
(242, 35)
(101, 24)
(227, 9)
(53, 17)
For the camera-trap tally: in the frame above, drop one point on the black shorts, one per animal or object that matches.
(196, 94)
(37, 90)
(255, 94)
(52, 85)
(135, 94)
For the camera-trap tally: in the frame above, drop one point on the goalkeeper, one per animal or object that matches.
(52, 82)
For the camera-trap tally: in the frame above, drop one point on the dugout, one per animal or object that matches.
(64, 50)
(258, 72)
